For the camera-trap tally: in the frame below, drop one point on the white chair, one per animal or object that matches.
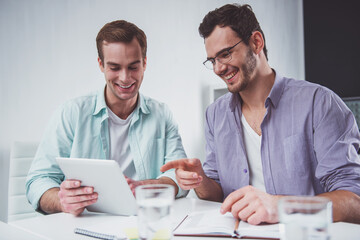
(21, 156)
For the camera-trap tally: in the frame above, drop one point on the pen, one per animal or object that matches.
(236, 233)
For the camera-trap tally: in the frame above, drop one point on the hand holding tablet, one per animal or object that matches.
(107, 180)
(74, 198)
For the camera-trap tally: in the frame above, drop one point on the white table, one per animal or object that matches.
(13, 233)
(61, 225)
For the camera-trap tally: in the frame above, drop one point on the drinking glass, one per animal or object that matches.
(154, 211)
(305, 218)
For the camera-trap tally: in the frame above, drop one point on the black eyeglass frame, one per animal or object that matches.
(213, 60)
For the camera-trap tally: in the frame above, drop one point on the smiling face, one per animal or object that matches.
(124, 68)
(238, 72)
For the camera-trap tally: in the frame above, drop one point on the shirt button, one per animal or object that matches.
(245, 170)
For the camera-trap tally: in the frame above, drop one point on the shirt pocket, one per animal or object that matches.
(296, 152)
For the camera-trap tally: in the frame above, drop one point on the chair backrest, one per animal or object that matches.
(21, 156)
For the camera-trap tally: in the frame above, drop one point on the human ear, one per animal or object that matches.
(144, 63)
(257, 42)
(101, 65)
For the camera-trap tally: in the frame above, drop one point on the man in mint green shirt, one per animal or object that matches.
(114, 123)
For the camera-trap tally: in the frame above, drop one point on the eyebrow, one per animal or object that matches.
(219, 52)
(115, 64)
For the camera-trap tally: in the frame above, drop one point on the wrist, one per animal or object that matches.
(50, 201)
(167, 180)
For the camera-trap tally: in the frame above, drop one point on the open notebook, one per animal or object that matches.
(206, 223)
(213, 224)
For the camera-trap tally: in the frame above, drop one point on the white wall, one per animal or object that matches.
(48, 55)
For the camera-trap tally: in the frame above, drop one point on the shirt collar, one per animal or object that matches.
(143, 105)
(276, 91)
(274, 95)
(101, 103)
(235, 99)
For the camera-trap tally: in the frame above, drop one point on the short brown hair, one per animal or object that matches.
(240, 18)
(120, 31)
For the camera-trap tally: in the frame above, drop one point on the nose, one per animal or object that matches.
(124, 75)
(219, 67)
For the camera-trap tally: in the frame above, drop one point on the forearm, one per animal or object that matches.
(346, 206)
(210, 190)
(50, 202)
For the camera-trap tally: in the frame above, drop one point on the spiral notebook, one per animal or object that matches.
(98, 235)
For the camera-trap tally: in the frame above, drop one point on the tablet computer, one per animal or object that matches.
(114, 193)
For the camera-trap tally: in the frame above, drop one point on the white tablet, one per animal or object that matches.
(114, 194)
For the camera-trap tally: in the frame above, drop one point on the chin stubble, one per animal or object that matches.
(247, 69)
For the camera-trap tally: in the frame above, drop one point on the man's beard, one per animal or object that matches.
(247, 70)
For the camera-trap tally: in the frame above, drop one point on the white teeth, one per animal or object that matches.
(227, 77)
(128, 86)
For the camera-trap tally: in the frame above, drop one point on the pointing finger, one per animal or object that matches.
(180, 163)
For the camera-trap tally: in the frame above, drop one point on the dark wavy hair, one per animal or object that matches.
(120, 31)
(239, 18)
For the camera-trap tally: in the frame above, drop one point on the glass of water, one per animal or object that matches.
(154, 211)
(305, 218)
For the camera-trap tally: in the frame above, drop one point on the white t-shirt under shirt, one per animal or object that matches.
(119, 144)
(253, 149)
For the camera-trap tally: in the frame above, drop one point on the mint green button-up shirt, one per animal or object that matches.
(79, 128)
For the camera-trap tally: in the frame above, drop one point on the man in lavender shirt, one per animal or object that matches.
(270, 136)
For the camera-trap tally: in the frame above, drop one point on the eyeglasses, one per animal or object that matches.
(223, 56)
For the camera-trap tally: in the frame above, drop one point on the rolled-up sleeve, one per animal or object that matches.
(44, 172)
(210, 165)
(173, 149)
(336, 144)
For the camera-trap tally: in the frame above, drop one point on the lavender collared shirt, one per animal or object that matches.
(309, 145)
